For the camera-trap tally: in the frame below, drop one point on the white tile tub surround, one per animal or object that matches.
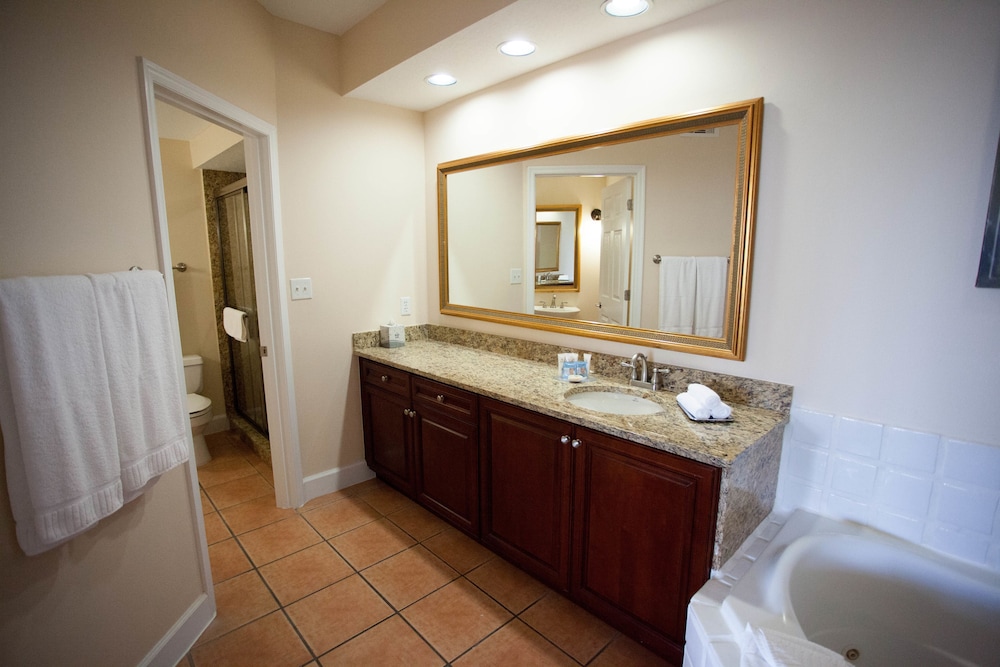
(928, 489)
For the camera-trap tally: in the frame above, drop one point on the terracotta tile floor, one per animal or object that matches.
(364, 576)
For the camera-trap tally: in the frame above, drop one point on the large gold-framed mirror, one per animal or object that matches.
(665, 240)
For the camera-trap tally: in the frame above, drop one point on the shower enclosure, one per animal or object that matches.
(236, 262)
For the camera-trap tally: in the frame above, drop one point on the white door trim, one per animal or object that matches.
(260, 147)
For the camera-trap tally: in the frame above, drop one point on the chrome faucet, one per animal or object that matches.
(554, 301)
(640, 373)
(640, 358)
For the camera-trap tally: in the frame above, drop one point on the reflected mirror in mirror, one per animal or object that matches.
(557, 247)
(665, 263)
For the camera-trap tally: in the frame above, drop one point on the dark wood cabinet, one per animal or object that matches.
(526, 482)
(446, 448)
(625, 530)
(643, 535)
(388, 424)
(421, 437)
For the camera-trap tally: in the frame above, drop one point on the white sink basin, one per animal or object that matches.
(557, 311)
(614, 402)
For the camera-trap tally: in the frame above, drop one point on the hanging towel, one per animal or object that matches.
(677, 294)
(710, 301)
(90, 399)
(60, 444)
(235, 323)
(150, 413)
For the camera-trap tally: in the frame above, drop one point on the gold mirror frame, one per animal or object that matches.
(748, 117)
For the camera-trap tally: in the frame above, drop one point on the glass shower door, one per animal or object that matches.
(240, 293)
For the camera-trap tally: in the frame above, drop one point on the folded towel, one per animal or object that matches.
(771, 648)
(708, 397)
(63, 471)
(235, 323)
(721, 411)
(148, 401)
(694, 406)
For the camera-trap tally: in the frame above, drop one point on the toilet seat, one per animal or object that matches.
(197, 405)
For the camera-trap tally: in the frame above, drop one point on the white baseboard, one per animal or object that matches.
(336, 479)
(174, 645)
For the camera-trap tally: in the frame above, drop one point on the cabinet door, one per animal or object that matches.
(526, 478)
(388, 427)
(446, 449)
(644, 529)
(448, 469)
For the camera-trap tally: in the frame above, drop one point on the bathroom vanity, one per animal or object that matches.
(626, 515)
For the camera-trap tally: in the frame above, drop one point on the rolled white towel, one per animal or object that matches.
(708, 397)
(694, 406)
(721, 411)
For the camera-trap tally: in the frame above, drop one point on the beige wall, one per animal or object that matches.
(185, 199)
(880, 132)
(352, 205)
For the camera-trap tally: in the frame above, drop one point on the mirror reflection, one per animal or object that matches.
(661, 235)
(557, 247)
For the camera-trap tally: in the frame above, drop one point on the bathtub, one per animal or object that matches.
(872, 598)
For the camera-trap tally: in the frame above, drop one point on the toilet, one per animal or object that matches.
(199, 407)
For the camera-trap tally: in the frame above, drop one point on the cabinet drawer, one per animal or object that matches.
(442, 398)
(385, 377)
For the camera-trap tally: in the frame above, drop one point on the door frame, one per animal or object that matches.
(260, 148)
(638, 174)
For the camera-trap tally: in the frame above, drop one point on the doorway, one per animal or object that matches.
(259, 145)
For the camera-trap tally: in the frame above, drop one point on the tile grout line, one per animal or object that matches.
(396, 612)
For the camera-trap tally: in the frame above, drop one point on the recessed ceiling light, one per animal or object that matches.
(517, 47)
(441, 79)
(625, 8)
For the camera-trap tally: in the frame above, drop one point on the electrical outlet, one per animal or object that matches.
(515, 276)
(405, 305)
(302, 288)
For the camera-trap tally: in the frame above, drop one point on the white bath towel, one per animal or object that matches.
(771, 648)
(147, 399)
(677, 294)
(235, 323)
(60, 445)
(710, 299)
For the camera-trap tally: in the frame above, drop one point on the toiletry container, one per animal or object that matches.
(199, 407)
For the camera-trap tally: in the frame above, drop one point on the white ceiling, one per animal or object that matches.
(560, 28)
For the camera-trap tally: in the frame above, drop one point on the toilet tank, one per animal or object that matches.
(192, 373)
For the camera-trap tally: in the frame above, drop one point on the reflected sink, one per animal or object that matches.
(557, 311)
(613, 402)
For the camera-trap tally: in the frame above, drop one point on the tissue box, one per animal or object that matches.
(391, 335)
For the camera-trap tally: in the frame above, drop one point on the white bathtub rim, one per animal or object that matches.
(761, 596)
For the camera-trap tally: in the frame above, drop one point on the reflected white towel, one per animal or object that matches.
(60, 444)
(770, 648)
(710, 301)
(151, 419)
(677, 294)
(235, 323)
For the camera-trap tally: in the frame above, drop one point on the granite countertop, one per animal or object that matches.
(535, 386)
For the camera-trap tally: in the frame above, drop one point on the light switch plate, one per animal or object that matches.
(302, 288)
(515, 276)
